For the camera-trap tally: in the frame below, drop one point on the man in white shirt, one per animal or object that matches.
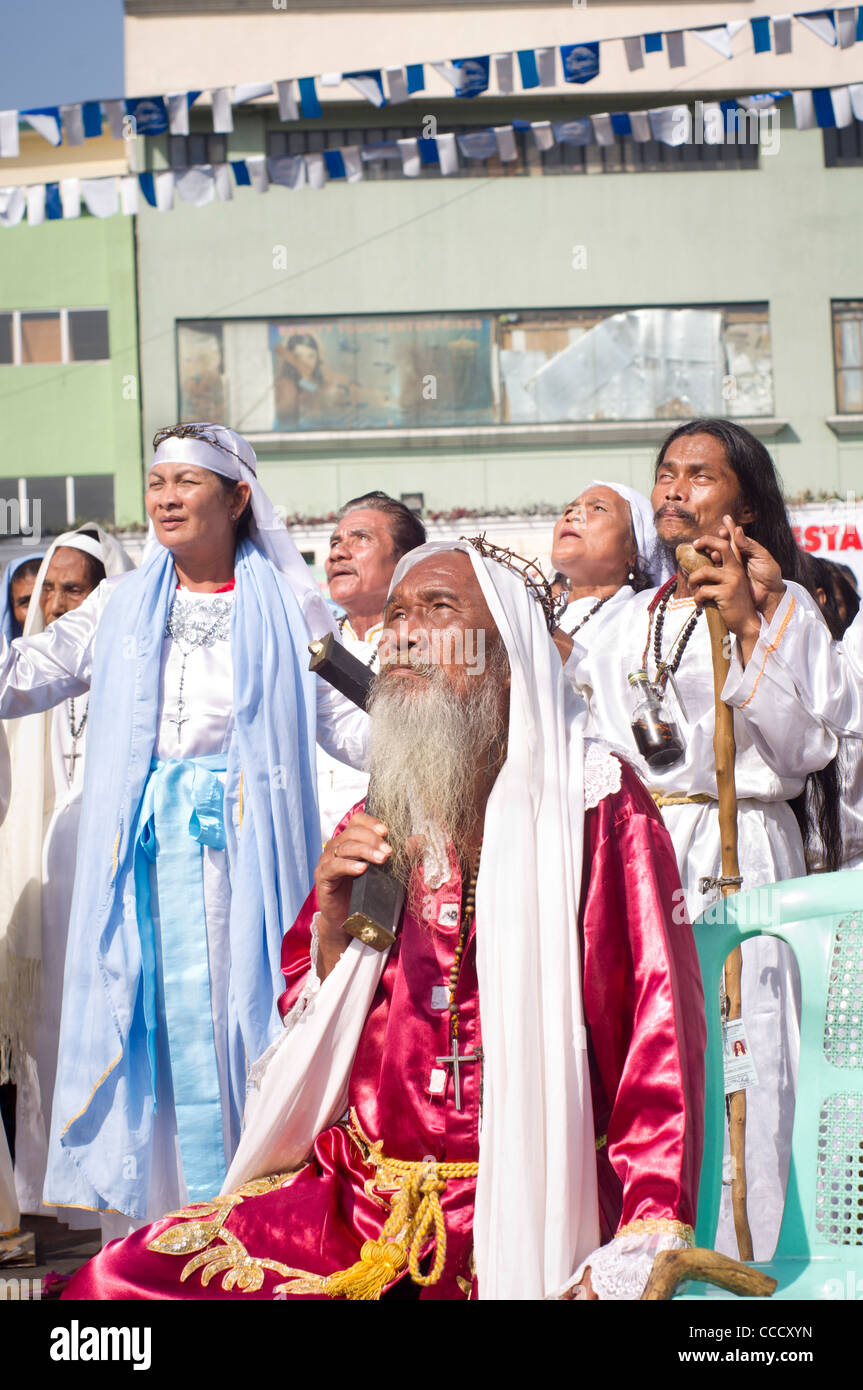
(373, 532)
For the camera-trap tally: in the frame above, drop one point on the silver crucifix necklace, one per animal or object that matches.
(192, 626)
(72, 758)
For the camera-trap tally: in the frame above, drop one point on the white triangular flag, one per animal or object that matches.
(368, 87)
(675, 50)
(602, 129)
(671, 124)
(45, 124)
(35, 195)
(506, 146)
(178, 112)
(781, 34)
(223, 116)
(73, 123)
(735, 25)
(100, 196)
(257, 167)
(397, 85)
(640, 122)
(717, 39)
(315, 170)
(546, 66)
(820, 24)
(250, 91)
(70, 197)
(330, 79)
(504, 72)
(13, 205)
(287, 170)
(634, 50)
(841, 98)
(542, 134)
(164, 186)
(409, 151)
(129, 194)
(855, 92)
(846, 27)
(115, 111)
(447, 154)
(224, 182)
(9, 145)
(804, 110)
(196, 185)
(353, 162)
(288, 110)
(713, 123)
(449, 73)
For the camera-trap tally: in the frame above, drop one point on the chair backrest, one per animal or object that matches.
(821, 919)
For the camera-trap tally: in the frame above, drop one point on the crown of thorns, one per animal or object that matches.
(198, 432)
(530, 572)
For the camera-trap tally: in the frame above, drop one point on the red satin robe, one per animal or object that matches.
(644, 1011)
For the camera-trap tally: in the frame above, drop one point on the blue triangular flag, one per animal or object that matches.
(92, 111)
(416, 77)
(620, 123)
(45, 120)
(369, 84)
(53, 205)
(528, 68)
(241, 173)
(428, 151)
(473, 76)
(580, 61)
(309, 104)
(576, 132)
(335, 164)
(760, 35)
(823, 103)
(653, 43)
(149, 114)
(860, 23)
(148, 188)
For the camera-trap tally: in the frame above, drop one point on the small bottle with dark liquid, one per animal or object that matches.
(655, 732)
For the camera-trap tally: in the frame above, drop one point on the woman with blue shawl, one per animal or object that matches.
(19, 579)
(199, 828)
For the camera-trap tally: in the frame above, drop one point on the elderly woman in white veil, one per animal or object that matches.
(606, 548)
(199, 828)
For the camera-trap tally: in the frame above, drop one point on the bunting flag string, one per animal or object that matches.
(537, 68)
(708, 123)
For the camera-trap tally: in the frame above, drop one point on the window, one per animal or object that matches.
(438, 370)
(569, 155)
(56, 504)
(185, 150)
(38, 336)
(848, 355)
(843, 149)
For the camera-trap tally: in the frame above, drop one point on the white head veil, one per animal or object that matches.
(32, 793)
(536, 1206)
(223, 451)
(649, 546)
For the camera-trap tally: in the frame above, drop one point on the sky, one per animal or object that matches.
(54, 51)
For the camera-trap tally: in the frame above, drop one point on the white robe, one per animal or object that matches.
(341, 786)
(39, 672)
(35, 1085)
(775, 749)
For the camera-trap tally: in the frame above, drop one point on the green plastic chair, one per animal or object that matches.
(818, 1253)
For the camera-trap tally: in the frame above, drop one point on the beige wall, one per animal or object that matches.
(173, 52)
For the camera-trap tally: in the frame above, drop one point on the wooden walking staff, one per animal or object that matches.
(689, 559)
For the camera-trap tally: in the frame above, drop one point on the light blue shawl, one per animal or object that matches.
(102, 1128)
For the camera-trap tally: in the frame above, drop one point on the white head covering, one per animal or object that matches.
(656, 562)
(32, 792)
(536, 1206)
(223, 451)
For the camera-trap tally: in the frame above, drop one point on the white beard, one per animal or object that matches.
(427, 741)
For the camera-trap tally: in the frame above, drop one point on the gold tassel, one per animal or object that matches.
(379, 1263)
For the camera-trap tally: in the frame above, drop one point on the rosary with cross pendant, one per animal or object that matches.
(453, 1058)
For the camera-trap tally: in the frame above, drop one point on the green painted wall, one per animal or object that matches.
(787, 233)
(83, 417)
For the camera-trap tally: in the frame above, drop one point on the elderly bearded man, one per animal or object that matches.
(371, 1161)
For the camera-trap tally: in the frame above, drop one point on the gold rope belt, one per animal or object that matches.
(416, 1214)
(681, 799)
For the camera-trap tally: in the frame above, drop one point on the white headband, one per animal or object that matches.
(85, 543)
(229, 456)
